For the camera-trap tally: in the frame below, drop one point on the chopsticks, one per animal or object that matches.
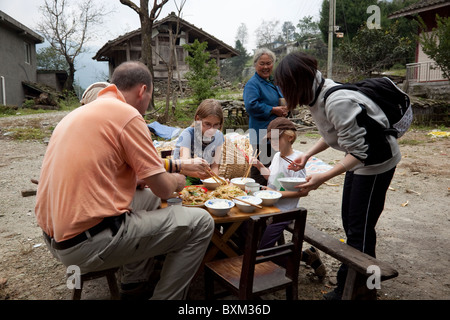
(216, 178)
(287, 159)
(252, 204)
(250, 160)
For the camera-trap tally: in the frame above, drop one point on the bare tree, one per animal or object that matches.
(68, 29)
(147, 19)
(173, 59)
(174, 32)
(267, 32)
(242, 34)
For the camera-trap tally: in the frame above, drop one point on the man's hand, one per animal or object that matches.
(196, 167)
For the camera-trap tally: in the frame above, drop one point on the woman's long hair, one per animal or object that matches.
(295, 76)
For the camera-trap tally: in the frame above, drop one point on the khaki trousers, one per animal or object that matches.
(181, 234)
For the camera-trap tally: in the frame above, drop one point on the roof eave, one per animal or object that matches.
(410, 13)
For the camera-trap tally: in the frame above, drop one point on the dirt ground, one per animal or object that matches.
(413, 231)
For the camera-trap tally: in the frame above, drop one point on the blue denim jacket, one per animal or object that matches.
(260, 96)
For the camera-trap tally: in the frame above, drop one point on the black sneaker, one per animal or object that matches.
(136, 291)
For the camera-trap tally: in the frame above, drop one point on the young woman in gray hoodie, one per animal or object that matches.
(346, 123)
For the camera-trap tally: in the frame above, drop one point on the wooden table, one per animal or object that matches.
(221, 241)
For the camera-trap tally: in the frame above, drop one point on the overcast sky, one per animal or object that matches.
(220, 18)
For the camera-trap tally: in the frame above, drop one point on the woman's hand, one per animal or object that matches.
(280, 111)
(299, 163)
(312, 183)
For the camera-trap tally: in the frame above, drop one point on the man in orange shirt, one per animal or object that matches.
(87, 203)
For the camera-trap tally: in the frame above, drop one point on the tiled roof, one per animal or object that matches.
(423, 5)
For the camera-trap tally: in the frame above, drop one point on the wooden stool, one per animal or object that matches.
(110, 275)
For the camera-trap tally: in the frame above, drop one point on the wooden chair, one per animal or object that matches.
(254, 273)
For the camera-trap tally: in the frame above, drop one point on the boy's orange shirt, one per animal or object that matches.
(93, 159)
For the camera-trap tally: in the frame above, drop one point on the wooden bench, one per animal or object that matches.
(357, 262)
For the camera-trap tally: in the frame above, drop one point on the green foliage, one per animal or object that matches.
(436, 44)
(375, 50)
(231, 68)
(69, 102)
(49, 58)
(29, 133)
(352, 15)
(28, 103)
(203, 71)
(307, 28)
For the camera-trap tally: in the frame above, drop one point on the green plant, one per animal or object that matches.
(202, 72)
(29, 133)
(69, 102)
(436, 44)
(375, 50)
(28, 103)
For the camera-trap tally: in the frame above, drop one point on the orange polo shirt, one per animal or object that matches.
(91, 164)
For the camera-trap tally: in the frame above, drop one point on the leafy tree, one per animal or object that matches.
(202, 72)
(48, 58)
(350, 16)
(307, 28)
(375, 50)
(436, 44)
(288, 31)
(231, 68)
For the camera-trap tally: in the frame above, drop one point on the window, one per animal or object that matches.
(27, 53)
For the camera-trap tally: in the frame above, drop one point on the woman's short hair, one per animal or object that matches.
(295, 76)
(259, 52)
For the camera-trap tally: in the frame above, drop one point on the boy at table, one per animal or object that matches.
(282, 134)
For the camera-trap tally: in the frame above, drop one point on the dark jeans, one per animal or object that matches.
(362, 203)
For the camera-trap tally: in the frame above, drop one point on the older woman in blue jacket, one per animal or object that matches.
(262, 102)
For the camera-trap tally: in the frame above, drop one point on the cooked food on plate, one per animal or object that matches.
(193, 195)
(227, 192)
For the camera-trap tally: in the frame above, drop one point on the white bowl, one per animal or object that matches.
(289, 183)
(210, 183)
(241, 181)
(219, 207)
(246, 207)
(268, 197)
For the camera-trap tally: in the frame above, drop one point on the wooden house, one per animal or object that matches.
(128, 47)
(424, 69)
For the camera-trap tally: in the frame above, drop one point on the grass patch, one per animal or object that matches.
(24, 134)
(312, 135)
(410, 142)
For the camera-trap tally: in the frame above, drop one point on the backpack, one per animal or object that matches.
(391, 99)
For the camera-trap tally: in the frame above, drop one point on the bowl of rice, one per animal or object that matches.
(244, 207)
(268, 197)
(240, 182)
(219, 207)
